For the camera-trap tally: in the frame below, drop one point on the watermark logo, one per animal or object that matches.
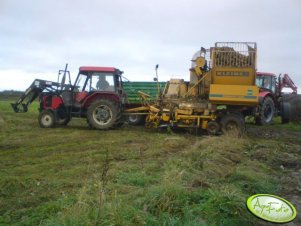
(271, 208)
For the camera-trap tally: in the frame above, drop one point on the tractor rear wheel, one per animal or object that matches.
(233, 124)
(266, 112)
(46, 119)
(120, 120)
(103, 114)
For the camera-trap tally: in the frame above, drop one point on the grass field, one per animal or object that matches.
(133, 176)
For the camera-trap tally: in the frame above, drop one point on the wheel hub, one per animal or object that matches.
(268, 113)
(231, 125)
(46, 120)
(102, 115)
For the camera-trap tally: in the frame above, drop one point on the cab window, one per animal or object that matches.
(81, 83)
(264, 82)
(102, 82)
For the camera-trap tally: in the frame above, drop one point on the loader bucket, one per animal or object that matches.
(18, 109)
(292, 107)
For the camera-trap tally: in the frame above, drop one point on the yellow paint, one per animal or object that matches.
(204, 124)
(233, 76)
(154, 109)
(233, 94)
(165, 117)
(138, 109)
(200, 62)
(184, 112)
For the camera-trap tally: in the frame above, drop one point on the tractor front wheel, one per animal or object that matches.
(266, 112)
(46, 119)
(102, 114)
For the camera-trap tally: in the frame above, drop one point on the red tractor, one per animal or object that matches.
(273, 101)
(96, 95)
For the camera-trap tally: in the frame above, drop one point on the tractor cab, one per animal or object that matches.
(95, 81)
(266, 81)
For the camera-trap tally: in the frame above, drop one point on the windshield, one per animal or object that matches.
(96, 81)
(102, 81)
(266, 82)
(81, 82)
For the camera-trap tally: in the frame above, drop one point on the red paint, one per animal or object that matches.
(97, 69)
(101, 95)
(264, 93)
(55, 102)
(265, 74)
(80, 96)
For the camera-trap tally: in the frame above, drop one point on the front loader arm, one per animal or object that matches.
(287, 82)
(32, 92)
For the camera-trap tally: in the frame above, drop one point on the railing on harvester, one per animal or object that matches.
(234, 54)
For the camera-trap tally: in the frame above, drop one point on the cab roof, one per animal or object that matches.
(265, 74)
(97, 69)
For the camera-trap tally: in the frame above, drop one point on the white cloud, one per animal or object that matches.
(20, 80)
(39, 37)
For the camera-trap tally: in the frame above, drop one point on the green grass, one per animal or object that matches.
(131, 176)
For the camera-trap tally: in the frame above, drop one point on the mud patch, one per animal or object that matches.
(292, 192)
(262, 132)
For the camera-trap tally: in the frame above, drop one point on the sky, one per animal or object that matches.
(38, 37)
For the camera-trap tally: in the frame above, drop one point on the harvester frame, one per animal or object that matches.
(222, 86)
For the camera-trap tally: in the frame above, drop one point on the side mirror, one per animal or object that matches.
(155, 79)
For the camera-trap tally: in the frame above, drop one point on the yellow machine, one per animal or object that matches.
(220, 91)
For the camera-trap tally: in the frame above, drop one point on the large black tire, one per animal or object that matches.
(266, 112)
(64, 121)
(120, 119)
(136, 119)
(233, 124)
(103, 114)
(213, 128)
(46, 119)
(285, 112)
(63, 118)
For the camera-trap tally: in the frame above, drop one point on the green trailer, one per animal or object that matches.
(134, 100)
(150, 88)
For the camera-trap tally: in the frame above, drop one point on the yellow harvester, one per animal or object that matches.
(220, 91)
